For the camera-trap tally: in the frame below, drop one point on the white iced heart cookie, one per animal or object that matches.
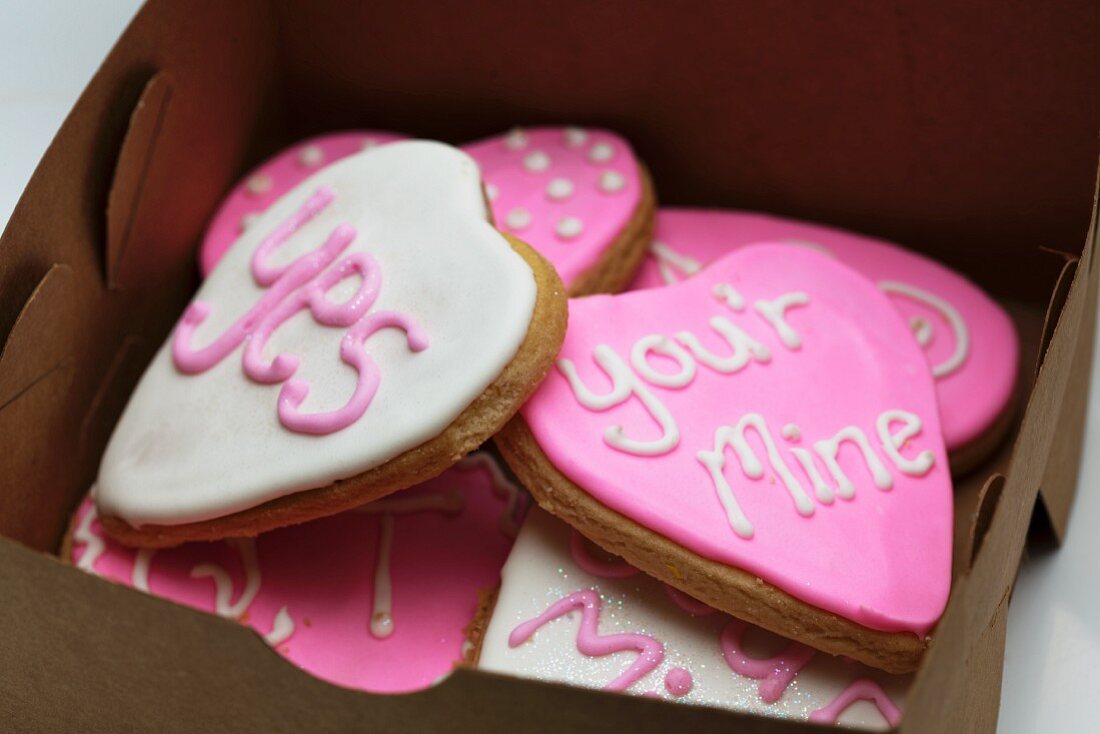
(369, 329)
(567, 612)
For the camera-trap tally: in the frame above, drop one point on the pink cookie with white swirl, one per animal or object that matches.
(763, 436)
(578, 196)
(568, 612)
(969, 340)
(376, 598)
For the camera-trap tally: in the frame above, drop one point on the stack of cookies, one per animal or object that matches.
(489, 405)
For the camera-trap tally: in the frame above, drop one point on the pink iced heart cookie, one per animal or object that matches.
(565, 608)
(764, 437)
(578, 196)
(968, 339)
(266, 183)
(376, 598)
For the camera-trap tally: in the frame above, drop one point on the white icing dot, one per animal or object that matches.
(259, 184)
(601, 152)
(791, 432)
(368, 143)
(381, 625)
(575, 137)
(922, 330)
(518, 218)
(248, 220)
(536, 162)
(492, 192)
(612, 182)
(516, 139)
(569, 227)
(559, 188)
(311, 156)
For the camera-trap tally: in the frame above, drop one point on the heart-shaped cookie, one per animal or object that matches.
(679, 649)
(376, 598)
(764, 437)
(370, 329)
(580, 197)
(969, 340)
(267, 183)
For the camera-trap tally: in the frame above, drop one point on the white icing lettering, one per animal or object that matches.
(734, 437)
(822, 490)
(892, 443)
(669, 261)
(729, 295)
(223, 585)
(660, 344)
(828, 449)
(954, 318)
(744, 347)
(624, 384)
(775, 313)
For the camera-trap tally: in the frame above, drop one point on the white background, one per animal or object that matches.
(49, 50)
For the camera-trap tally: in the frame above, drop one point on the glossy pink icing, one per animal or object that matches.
(862, 689)
(543, 181)
(265, 184)
(302, 285)
(581, 192)
(590, 642)
(971, 397)
(882, 557)
(774, 673)
(679, 682)
(442, 555)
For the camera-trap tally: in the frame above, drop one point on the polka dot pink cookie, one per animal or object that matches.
(578, 196)
(377, 598)
(968, 339)
(266, 184)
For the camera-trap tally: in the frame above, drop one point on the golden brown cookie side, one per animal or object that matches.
(721, 586)
(618, 264)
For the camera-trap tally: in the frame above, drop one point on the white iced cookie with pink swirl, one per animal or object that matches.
(366, 331)
(568, 612)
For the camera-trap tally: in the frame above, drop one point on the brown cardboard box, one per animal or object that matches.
(968, 133)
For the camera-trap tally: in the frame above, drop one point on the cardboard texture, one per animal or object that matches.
(967, 133)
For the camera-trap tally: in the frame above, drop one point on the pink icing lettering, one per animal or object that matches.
(861, 689)
(650, 651)
(774, 673)
(301, 285)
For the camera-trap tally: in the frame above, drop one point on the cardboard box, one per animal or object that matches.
(967, 133)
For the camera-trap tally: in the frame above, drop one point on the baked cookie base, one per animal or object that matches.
(723, 587)
(618, 264)
(473, 426)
